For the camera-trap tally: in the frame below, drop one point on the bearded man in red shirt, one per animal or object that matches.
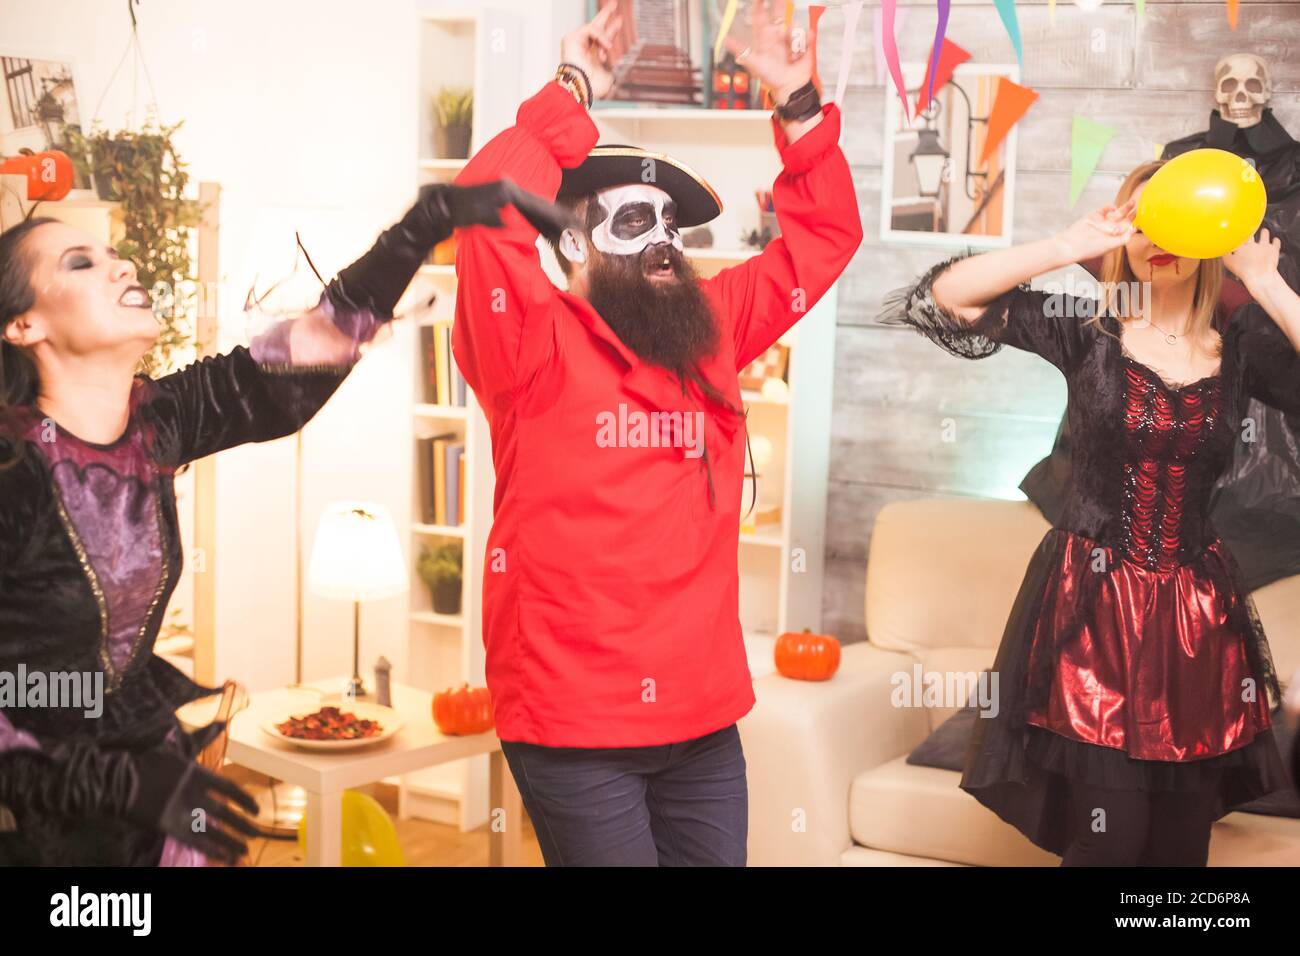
(610, 602)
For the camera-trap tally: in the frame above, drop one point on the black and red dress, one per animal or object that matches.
(1133, 657)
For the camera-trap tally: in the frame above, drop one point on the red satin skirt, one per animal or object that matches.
(1127, 679)
(1157, 668)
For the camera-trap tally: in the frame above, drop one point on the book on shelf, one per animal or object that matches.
(440, 379)
(441, 461)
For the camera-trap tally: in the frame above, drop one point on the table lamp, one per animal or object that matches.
(357, 557)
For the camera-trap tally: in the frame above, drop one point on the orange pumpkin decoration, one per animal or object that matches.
(466, 710)
(444, 253)
(807, 656)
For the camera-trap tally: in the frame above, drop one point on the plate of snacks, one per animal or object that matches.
(346, 726)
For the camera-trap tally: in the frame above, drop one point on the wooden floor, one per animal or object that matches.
(423, 843)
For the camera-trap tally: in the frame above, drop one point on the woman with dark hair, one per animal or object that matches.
(89, 549)
(1135, 683)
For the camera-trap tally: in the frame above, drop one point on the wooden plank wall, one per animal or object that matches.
(898, 399)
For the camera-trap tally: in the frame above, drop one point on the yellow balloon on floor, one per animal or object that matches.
(1202, 204)
(369, 837)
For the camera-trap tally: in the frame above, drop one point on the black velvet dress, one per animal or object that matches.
(1133, 658)
(1256, 501)
(89, 556)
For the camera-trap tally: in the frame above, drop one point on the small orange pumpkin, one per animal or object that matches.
(804, 655)
(466, 710)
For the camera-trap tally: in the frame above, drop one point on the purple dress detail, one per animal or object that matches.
(109, 500)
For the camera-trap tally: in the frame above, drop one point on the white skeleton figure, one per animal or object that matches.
(635, 216)
(1242, 88)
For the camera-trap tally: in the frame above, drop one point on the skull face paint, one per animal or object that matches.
(634, 217)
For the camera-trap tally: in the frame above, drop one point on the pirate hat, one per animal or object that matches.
(614, 164)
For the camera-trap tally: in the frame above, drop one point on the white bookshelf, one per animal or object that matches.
(445, 650)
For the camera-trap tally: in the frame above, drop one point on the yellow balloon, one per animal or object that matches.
(1202, 204)
(369, 837)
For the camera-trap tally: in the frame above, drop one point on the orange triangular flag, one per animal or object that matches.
(1232, 14)
(815, 12)
(950, 57)
(1010, 102)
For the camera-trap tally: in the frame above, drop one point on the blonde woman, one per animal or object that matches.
(1135, 681)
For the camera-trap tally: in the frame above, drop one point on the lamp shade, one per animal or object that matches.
(356, 555)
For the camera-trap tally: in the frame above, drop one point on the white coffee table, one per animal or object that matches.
(324, 776)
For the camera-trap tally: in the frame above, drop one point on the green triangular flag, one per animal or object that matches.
(1087, 141)
(1007, 10)
(1142, 7)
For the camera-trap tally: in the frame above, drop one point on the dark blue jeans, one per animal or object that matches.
(681, 804)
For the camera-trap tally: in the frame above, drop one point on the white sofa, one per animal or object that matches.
(828, 780)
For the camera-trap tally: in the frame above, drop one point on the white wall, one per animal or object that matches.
(306, 113)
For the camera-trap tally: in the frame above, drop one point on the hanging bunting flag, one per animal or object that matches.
(728, 15)
(852, 12)
(1010, 102)
(1051, 12)
(1142, 7)
(1087, 140)
(900, 23)
(1232, 14)
(939, 31)
(814, 14)
(890, 46)
(950, 57)
(1007, 11)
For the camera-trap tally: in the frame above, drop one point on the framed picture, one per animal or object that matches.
(38, 105)
(771, 364)
(935, 190)
(662, 56)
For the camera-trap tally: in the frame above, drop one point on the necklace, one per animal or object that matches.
(1170, 337)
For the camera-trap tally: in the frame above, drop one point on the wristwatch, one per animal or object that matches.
(802, 104)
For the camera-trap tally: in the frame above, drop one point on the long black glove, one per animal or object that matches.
(155, 789)
(377, 280)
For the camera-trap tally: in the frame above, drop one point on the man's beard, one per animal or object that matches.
(665, 323)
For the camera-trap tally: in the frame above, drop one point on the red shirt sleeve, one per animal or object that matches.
(817, 210)
(504, 323)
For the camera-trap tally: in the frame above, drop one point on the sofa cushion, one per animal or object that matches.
(944, 574)
(945, 749)
(920, 811)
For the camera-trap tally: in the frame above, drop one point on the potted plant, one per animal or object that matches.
(143, 172)
(440, 569)
(454, 110)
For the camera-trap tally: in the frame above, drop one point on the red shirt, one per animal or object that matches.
(610, 609)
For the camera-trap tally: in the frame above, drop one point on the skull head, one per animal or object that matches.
(1242, 88)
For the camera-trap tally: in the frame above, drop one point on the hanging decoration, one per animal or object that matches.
(1010, 102)
(1232, 13)
(815, 12)
(890, 48)
(852, 11)
(900, 22)
(1087, 141)
(728, 15)
(939, 31)
(950, 57)
(1007, 11)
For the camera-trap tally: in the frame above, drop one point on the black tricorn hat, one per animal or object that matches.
(614, 164)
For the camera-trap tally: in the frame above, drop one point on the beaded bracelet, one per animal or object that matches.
(572, 75)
